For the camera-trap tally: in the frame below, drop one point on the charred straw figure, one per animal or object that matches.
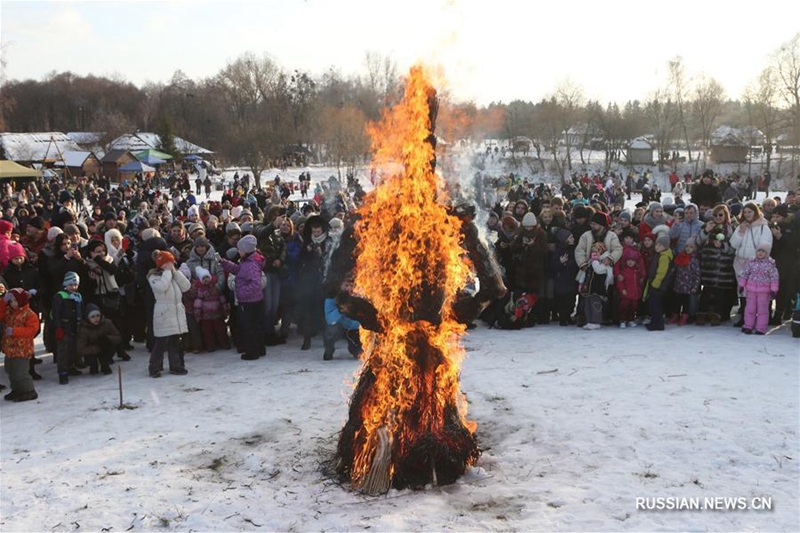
(407, 424)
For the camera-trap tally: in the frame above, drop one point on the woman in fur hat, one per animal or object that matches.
(654, 217)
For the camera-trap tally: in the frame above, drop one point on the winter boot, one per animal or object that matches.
(674, 319)
(26, 396)
(739, 322)
(684, 319)
(700, 319)
(10, 396)
(306, 343)
(63, 379)
(328, 355)
(32, 371)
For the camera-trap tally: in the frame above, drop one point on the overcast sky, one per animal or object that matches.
(491, 50)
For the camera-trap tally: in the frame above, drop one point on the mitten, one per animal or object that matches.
(59, 334)
(32, 292)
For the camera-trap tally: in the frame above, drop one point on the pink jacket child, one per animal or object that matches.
(759, 282)
(210, 310)
(630, 275)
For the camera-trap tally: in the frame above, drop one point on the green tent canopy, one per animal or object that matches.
(152, 152)
(10, 169)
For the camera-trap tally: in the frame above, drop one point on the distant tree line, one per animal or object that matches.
(256, 114)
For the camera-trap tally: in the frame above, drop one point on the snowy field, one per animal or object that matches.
(575, 426)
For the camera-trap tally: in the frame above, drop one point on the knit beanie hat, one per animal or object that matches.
(71, 278)
(202, 273)
(53, 232)
(20, 295)
(15, 249)
(161, 258)
(201, 241)
(233, 227)
(197, 226)
(663, 240)
(600, 218)
(767, 247)
(6, 226)
(236, 212)
(247, 244)
(653, 206)
(193, 211)
(150, 233)
(92, 309)
(529, 220)
(625, 215)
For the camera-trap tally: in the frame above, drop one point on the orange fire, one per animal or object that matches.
(410, 265)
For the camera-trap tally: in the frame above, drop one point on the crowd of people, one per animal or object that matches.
(583, 258)
(94, 268)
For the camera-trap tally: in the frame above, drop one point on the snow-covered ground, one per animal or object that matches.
(575, 426)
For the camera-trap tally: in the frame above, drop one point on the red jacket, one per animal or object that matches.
(25, 324)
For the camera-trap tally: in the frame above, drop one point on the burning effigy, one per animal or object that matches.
(407, 424)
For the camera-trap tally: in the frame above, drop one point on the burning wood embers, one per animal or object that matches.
(407, 423)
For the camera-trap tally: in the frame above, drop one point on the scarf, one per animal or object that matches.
(683, 259)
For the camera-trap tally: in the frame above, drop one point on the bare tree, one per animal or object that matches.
(787, 71)
(706, 108)
(342, 130)
(254, 90)
(761, 99)
(662, 114)
(569, 99)
(677, 79)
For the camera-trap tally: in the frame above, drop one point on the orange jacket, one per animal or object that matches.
(25, 324)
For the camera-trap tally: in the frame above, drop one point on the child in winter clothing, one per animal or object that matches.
(659, 275)
(249, 296)
(630, 274)
(98, 340)
(67, 311)
(169, 315)
(210, 309)
(759, 282)
(20, 274)
(687, 284)
(21, 325)
(338, 325)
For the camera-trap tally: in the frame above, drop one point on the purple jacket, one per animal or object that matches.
(248, 277)
(759, 275)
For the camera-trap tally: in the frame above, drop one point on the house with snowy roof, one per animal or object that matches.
(136, 142)
(42, 147)
(80, 163)
(115, 159)
(640, 152)
(729, 149)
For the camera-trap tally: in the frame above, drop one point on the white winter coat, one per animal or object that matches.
(169, 315)
(747, 244)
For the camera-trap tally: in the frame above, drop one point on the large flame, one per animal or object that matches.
(410, 266)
